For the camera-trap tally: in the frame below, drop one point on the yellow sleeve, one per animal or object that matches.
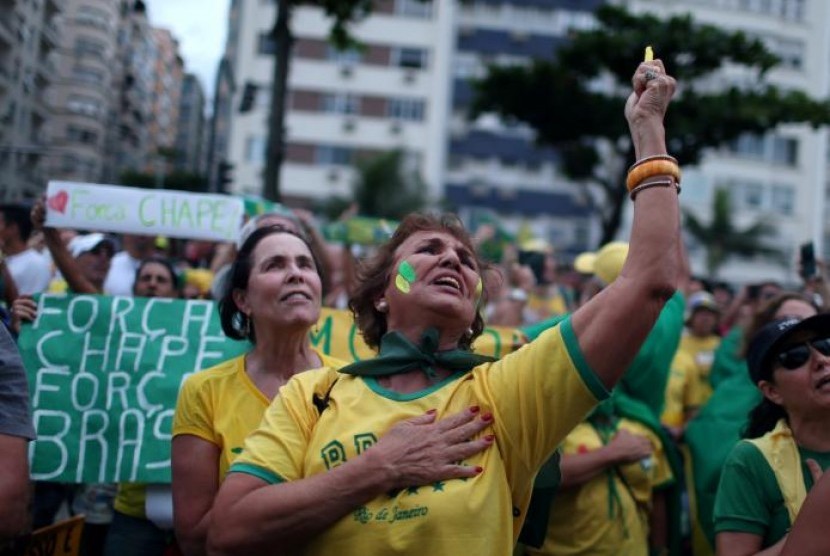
(663, 475)
(275, 452)
(194, 410)
(538, 394)
(677, 389)
(694, 395)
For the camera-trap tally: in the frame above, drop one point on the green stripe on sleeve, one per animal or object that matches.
(259, 472)
(589, 377)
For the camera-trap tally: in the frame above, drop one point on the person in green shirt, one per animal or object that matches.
(766, 478)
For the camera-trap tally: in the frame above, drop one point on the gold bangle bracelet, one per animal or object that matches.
(642, 161)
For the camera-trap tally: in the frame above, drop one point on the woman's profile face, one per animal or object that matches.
(154, 280)
(435, 281)
(284, 287)
(802, 390)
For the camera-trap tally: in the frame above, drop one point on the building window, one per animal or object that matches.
(266, 44)
(784, 150)
(255, 149)
(88, 75)
(78, 104)
(90, 47)
(414, 8)
(340, 103)
(81, 135)
(410, 109)
(783, 199)
(330, 154)
(793, 9)
(415, 58)
(791, 52)
(746, 194)
(92, 17)
(347, 57)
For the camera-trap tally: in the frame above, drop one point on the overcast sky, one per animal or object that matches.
(200, 26)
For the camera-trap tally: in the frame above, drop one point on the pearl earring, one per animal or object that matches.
(382, 306)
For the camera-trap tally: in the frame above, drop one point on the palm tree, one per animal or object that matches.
(723, 240)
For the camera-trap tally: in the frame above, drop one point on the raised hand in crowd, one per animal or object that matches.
(24, 308)
(84, 263)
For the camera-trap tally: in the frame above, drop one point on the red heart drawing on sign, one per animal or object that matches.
(58, 201)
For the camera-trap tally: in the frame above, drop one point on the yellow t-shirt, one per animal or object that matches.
(579, 522)
(536, 394)
(221, 405)
(702, 351)
(682, 390)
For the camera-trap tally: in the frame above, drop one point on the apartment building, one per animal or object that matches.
(495, 166)
(82, 93)
(168, 77)
(782, 176)
(189, 145)
(28, 43)
(391, 93)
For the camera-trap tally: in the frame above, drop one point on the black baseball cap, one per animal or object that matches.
(772, 336)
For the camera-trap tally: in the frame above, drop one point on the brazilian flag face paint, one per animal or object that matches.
(406, 276)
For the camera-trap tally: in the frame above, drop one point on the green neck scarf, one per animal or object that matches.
(398, 355)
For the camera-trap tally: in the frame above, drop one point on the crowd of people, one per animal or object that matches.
(649, 412)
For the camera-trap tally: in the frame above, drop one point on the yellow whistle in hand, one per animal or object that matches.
(649, 55)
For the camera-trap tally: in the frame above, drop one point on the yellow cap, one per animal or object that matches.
(584, 262)
(199, 277)
(649, 56)
(610, 260)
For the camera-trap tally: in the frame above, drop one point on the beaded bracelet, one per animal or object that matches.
(651, 168)
(655, 183)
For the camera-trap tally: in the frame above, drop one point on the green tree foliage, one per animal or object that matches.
(382, 188)
(724, 240)
(569, 103)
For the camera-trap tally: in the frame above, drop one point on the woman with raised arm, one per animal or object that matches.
(297, 488)
(272, 299)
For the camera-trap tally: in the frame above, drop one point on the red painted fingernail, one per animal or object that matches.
(490, 437)
(487, 417)
(479, 469)
(431, 411)
(474, 409)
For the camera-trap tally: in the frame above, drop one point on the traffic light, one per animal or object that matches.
(248, 97)
(225, 175)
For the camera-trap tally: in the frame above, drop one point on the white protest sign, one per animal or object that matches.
(112, 208)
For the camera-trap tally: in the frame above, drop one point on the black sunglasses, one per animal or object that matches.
(796, 356)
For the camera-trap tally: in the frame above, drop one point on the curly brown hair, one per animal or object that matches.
(374, 275)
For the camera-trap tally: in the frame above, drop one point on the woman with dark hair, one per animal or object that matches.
(272, 300)
(766, 478)
(722, 422)
(297, 488)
